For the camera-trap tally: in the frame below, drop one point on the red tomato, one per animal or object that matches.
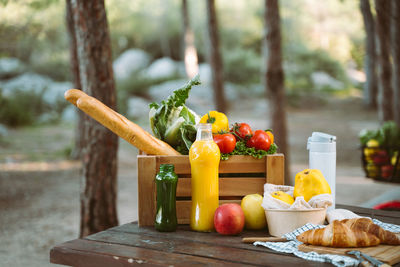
(243, 130)
(226, 142)
(260, 140)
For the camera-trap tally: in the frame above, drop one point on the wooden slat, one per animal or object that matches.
(181, 163)
(236, 186)
(146, 189)
(275, 169)
(242, 164)
(178, 244)
(184, 232)
(89, 253)
(183, 209)
(385, 253)
(235, 164)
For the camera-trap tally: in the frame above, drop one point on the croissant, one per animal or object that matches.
(365, 224)
(338, 235)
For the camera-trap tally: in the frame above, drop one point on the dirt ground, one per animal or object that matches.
(39, 188)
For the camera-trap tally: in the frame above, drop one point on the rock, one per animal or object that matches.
(51, 92)
(10, 67)
(129, 62)
(55, 92)
(3, 130)
(322, 79)
(355, 76)
(48, 117)
(205, 73)
(69, 114)
(28, 82)
(138, 107)
(162, 68)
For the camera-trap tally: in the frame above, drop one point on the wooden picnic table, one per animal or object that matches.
(129, 245)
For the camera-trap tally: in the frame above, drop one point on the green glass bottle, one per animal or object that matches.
(166, 182)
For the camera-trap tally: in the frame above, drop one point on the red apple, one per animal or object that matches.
(381, 157)
(229, 219)
(387, 171)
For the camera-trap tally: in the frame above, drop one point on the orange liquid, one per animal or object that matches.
(204, 159)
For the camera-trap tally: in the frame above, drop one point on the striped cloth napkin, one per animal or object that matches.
(337, 260)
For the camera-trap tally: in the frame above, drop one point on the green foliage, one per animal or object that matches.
(302, 62)
(387, 136)
(242, 66)
(21, 109)
(172, 121)
(242, 149)
(357, 54)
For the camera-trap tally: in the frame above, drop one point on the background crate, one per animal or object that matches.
(239, 176)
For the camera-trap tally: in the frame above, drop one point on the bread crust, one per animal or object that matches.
(118, 124)
(367, 225)
(338, 235)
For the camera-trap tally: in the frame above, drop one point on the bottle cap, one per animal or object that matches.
(321, 142)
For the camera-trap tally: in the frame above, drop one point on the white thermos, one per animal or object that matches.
(322, 156)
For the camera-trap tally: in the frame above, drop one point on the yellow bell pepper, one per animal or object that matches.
(309, 183)
(218, 120)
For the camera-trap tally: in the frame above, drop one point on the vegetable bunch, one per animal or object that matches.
(241, 140)
(387, 136)
(172, 121)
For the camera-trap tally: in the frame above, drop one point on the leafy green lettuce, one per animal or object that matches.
(242, 149)
(172, 121)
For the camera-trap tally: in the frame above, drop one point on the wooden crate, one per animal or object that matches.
(239, 176)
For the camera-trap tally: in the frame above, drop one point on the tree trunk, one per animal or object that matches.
(395, 28)
(385, 97)
(99, 181)
(74, 67)
(371, 84)
(274, 79)
(190, 52)
(215, 57)
(164, 41)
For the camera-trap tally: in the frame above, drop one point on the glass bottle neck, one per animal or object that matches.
(166, 168)
(204, 132)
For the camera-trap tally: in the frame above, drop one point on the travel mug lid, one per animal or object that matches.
(321, 142)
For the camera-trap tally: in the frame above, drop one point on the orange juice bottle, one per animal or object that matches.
(204, 159)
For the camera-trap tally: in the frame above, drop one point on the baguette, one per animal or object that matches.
(118, 124)
(338, 235)
(365, 224)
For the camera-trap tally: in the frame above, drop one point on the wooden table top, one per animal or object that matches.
(129, 245)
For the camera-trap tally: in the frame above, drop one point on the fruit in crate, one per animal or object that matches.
(229, 219)
(260, 140)
(243, 131)
(381, 157)
(309, 183)
(387, 171)
(253, 212)
(369, 152)
(218, 120)
(372, 143)
(226, 142)
(283, 197)
(372, 170)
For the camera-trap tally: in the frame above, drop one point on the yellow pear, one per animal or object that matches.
(253, 212)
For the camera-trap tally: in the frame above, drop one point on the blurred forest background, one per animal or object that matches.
(324, 54)
(323, 49)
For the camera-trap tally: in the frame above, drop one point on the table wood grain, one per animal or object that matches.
(129, 245)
